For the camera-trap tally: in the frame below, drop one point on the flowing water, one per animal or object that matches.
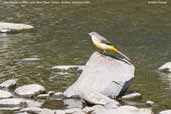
(141, 30)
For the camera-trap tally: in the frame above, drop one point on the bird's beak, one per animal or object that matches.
(119, 52)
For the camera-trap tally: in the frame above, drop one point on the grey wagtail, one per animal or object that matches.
(102, 43)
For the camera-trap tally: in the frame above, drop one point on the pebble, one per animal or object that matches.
(29, 90)
(131, 96)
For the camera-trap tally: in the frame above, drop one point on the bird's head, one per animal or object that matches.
(93, 34)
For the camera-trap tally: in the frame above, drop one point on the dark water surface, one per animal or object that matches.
(139, 29)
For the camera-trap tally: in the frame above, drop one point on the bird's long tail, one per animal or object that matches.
(119, 52)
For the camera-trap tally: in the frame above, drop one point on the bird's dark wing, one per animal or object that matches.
(105, 41)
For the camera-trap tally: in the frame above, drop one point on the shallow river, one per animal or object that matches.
(138, 28)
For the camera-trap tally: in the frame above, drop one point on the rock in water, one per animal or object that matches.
(12, 27)
(166, 67)
(5, 94)
(29, 90)
(103, 74)
(9, 83)
(98, 99)
(131, 96)
(125, 110)
(165, 112)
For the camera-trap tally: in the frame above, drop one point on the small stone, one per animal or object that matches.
(5, 94)
(66, 67)
(31, 110)
(12, 102)
(43, 96)
(18, 103)
(73, 103)
(58, 95)
(151, 103)
(131, 96)
(72, 110)
(32, 103)
(9, 83)
(29, 90)
(166, 67)
(50, 93)
(165, 112)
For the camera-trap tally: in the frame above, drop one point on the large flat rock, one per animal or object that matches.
(104, 74)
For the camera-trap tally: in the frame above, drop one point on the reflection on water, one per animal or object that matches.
(140, 30)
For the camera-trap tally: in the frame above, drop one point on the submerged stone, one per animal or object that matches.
(73, 103)
(104, 74)
(29, 90)
(43, 96)
(58, 95)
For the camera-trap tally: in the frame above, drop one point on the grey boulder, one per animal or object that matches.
(29, 90)
(104, 74)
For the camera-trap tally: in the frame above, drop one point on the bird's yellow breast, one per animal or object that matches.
(101, 45)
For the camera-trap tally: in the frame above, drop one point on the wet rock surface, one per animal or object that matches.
(29, 90)
(105, 74)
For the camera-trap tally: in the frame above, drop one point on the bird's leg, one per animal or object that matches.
(104, 52)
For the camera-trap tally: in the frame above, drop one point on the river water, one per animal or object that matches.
(139, 28)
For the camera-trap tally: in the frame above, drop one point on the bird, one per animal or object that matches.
(103, 44)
